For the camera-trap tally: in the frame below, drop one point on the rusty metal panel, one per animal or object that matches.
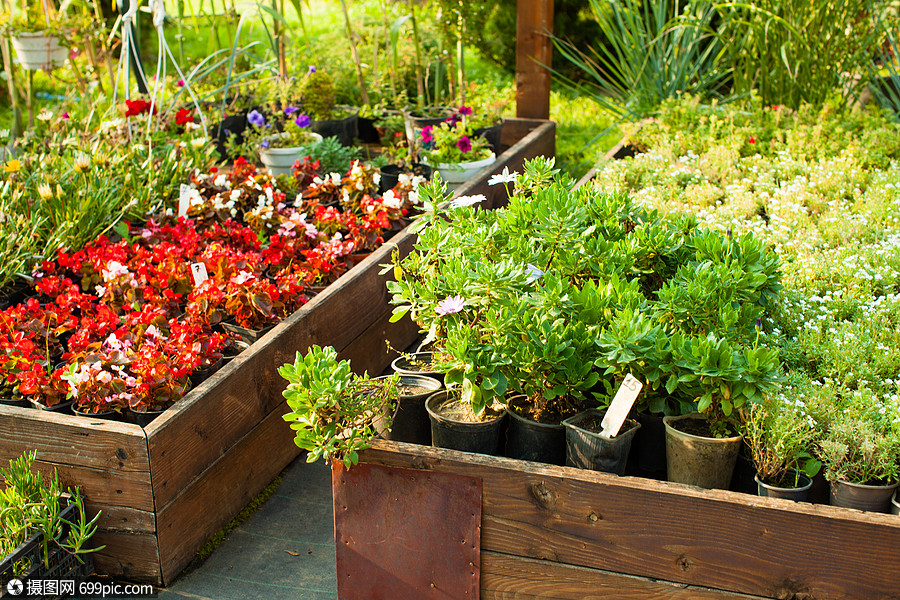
(406, 534)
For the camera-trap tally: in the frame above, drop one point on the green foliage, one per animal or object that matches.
(318, 95)
(861, 440)
(29, 506)
(655, 50)
(333, 156)
(563, 292)
(781, 432)
(792, 52)
(333, 410)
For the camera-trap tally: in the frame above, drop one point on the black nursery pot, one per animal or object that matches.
(482, 437)
(231, 124)
(538, 442)
(390, 174)
(345, 130)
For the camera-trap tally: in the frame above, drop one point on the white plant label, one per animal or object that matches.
(184, 200)
(198, 270)
(620, 406)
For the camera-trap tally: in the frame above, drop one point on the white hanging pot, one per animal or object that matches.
(281, 160)
(455, 174)
(38, 50)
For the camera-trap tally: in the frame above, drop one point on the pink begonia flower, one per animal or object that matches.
(450, 305)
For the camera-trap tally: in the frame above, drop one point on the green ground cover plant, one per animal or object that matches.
(821, 188)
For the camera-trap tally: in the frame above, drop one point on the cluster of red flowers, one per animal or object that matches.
(123, 323)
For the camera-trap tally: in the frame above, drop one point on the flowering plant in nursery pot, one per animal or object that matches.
(781, 432)
(332, 409)
(859, 445)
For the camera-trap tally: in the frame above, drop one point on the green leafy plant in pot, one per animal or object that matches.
(859, 447)
(780, 432)
(333, 410)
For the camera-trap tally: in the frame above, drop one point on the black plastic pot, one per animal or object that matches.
(390, 174)
(61, 407)
(20, 402)
(404, 366)
(201, 375)
(410, 422)
(248, 335)
(107, 415)
(482, 437)
(143, 418)
(538, 442)
(344, 130)
(587, 449)
(649, 447)
(366, 131)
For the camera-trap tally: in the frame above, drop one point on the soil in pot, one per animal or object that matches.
(784, 489)
(410, 421)
(418, 363)
(873, 497)
(587, 448)
(454, 426)
(527, 439)
(694, 457)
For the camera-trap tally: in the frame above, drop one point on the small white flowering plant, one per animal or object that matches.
(861, 439)
(781, 432)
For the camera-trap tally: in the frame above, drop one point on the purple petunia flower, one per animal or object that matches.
(312, 69)
(289, 110)
(264, 143)
(256, 119)
(302, 121)
(464, 144)
(465, 111)
(450, 305)
(426, 133)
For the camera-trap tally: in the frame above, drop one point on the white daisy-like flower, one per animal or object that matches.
(504, 177)
(467, 201)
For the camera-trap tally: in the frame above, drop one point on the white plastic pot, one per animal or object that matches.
(37, 50)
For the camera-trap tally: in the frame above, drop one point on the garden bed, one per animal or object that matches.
(564, 533)
(164, 490)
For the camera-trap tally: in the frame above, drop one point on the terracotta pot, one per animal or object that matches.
(701, 461)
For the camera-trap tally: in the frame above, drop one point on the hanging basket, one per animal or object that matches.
(37, 50)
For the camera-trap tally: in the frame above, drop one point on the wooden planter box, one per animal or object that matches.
(562, 533)
(166, 489)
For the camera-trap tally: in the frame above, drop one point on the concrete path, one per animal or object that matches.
(285, 550)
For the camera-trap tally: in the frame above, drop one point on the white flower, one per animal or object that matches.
(390, 199)
(467, 201)
(533, 272)
(220, 180)
(504, 177)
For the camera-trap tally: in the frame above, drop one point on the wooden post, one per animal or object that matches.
(534, 52)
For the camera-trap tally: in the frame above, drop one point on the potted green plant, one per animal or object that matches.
(333, 410)
(278, 141)
(455, 151)
(859, 448)
(34, 29)
(723, 379)
(319, 100)
(780, 432)
(41, 527)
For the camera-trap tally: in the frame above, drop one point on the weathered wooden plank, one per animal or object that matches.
(221, 491)
(122, 518)
(63, 438)
(127, 556)
(506, 577)
(707, 538)
(534, 53)
(535, 138)
(104, 488)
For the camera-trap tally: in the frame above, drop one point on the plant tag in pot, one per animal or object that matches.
(184, 200)
(620, 406)
(198, 270)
